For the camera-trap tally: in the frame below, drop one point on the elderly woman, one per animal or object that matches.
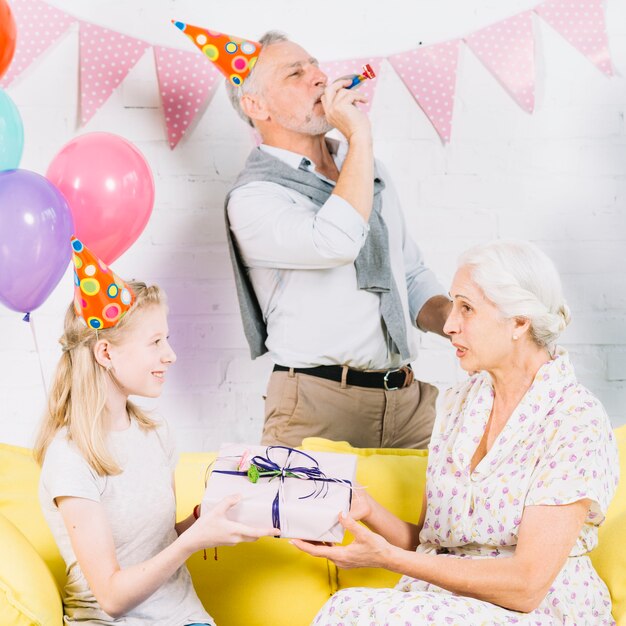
(522, 467)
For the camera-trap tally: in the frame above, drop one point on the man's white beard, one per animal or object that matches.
(312, 125)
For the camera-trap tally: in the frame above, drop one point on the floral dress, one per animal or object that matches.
(556, 448)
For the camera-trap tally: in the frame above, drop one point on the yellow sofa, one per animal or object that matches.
(268, 582)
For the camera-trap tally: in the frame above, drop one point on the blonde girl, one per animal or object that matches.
(107, 487)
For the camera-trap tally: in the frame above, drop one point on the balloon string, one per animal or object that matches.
(28, 318)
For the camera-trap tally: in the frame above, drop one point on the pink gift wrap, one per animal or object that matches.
(314, 517)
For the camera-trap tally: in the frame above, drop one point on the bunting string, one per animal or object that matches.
(187, 81)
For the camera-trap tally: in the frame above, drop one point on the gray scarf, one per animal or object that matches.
(373, 267)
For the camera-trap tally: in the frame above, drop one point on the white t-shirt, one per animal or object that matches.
(141, 509)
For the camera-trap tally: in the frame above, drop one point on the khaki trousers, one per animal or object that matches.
(300, 405)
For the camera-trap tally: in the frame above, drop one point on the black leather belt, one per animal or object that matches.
(389, 380)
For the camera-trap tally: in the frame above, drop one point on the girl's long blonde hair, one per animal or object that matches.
(77, 398)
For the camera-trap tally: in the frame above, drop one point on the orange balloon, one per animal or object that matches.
(8, 34)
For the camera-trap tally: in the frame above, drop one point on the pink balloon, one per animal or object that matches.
(109, 189)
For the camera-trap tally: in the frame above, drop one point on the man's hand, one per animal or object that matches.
(433, 315)
(339, 106)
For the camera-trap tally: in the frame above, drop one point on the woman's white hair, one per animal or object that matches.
(521, 281)
(251, 85)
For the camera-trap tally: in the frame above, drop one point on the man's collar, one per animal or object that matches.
(293, 159)
(338, 150)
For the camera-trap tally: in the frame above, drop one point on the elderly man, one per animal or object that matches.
(329, 281)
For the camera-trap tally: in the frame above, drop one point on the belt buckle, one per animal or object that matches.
(386, 379)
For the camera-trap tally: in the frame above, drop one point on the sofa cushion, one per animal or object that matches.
(268, 581)
(396, 478)
(19, 503)
(28, 592)
(609, 558)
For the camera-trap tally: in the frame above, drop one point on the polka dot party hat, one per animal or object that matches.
(234, 57)
(101, 297)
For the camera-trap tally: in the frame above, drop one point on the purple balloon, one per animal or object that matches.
(35, 229)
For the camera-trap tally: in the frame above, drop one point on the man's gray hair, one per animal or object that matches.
(251, 85)
(522, 281)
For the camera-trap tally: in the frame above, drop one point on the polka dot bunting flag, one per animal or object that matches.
(507, 50)
(337, 69)
(39, 25)
(101, 298)
(233, 56)
(582, 24)
(187, 85)
(430, 75)
(106, 57)
(106, 64)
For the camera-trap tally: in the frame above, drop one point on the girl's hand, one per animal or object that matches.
(213, 528)
(367, 550)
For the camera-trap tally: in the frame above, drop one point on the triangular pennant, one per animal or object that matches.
(187, 83)
(106, 57)
(430, 75)
(349, 67)
(39, 25)
(507, 50)
(583, 25)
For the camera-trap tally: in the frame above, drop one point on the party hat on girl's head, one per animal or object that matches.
(233, 56)
(101, 297)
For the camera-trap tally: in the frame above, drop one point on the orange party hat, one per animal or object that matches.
(101, 297)
(233, 56)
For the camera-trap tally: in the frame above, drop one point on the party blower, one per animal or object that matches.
(366, 73)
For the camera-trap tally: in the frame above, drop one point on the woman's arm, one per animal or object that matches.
(119, 590)
(382, 521)
(546, 537)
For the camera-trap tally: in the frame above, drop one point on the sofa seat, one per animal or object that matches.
(266, 582)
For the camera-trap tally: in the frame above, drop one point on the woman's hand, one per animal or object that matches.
(361, 505)
(367, 550)
(213, 528)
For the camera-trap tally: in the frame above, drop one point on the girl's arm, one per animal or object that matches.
(186, 523)
(521, 582)
(119, 590)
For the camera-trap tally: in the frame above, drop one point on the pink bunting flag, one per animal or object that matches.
(106, 57)
(187, 83)
(39, 25)
(430, 75)
(583, 25)
(337, 69)
(506, 49)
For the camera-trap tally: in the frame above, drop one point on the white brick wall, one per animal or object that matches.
(557, 177)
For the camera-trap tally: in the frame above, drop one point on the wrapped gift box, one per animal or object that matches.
(304, 500)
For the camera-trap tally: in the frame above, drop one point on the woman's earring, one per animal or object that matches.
(515, 337)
